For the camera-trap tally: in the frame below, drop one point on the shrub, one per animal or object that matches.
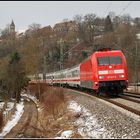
(1, 120)
(54, 102)
(38, 89)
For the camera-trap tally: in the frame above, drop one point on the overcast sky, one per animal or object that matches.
(47, 13)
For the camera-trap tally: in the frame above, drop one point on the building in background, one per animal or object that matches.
(12, 30)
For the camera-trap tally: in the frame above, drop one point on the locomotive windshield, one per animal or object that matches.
(104, 61)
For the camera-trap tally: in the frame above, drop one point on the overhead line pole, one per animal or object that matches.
(136, 68)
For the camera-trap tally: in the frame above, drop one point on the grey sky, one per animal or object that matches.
(46, 13)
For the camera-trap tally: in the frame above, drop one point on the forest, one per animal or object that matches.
(48, 49)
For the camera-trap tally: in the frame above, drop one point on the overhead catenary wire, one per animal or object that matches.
(131, 54)
(70, 49)
(105, 14)
(107, 9)
(125, 8)
(76, 45)
(120, 15)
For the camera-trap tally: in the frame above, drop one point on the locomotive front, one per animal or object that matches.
(111, 72)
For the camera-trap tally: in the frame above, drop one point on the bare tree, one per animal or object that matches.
(86, 27)
(89, 26)
(126, 19)
(112, 15)
(5, 33)
(137, 23)
(79, 21)
(34, 29)
(34, 26)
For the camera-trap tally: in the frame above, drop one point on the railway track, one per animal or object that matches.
(130, 98)
(132, 94)
(126, 107)
(122, 105)
(118, 122)
(24, 128)
(117, 103)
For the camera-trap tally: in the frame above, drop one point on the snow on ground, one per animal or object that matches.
(9, 107)
(14, 120)
(134, 88)
(34, 100)
(30, 97)
(1, 105)
(87, 124)
(65, 134)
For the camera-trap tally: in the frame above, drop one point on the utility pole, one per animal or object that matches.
(61, 54)
(137, 62)
(136, 68)
(44, 61)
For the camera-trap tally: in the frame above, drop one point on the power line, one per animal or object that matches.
(125, 8)
(70, 49)
(130, 54)
(107, 8)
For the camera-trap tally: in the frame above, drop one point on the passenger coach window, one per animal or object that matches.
(104, 61)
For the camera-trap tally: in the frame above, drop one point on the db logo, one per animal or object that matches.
(111, 71)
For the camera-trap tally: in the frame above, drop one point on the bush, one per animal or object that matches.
(1, 120)
(54, 102)
(38, 89)
(53, 99)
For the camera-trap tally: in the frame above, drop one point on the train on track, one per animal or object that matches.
(104, 71)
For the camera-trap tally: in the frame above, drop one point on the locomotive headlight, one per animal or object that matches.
(121, 76)
(101, 77)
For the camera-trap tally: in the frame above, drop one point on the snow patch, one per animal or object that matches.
(14, 120)
(87, 123)
(31, 97)
(66, 134)
(1, 105)
(74, 106)
(10, 105)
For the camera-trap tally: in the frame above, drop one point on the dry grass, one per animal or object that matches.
(54, 101)
(1, 121)
(54, 117)
(50, 128)
(38, 89)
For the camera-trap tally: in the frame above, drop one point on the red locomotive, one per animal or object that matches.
(105, 70)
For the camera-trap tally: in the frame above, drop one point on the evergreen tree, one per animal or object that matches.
(17, 75)
(108, 24)
(14, 78)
